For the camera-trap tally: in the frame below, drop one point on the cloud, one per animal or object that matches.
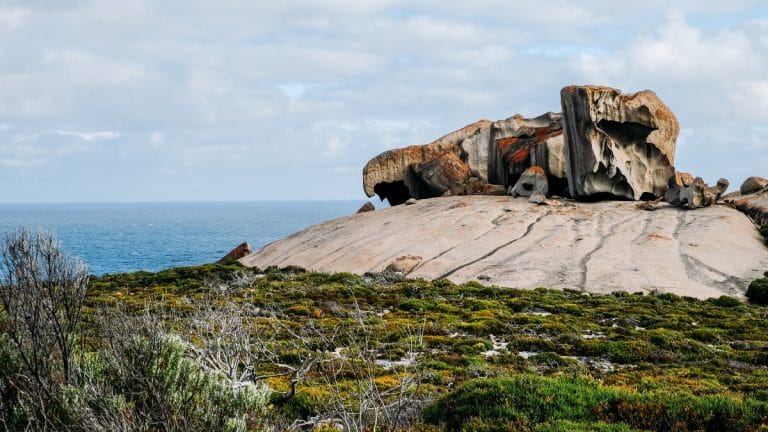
(252, 93)
(91, 136)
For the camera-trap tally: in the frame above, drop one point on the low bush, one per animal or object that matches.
(533, 403)
(757, 293)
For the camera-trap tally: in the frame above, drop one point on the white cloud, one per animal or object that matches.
(91, 136)
(13, 18)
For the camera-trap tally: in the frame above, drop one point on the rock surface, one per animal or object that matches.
(445, 174)
(596, 247)
(620, 145)
(754, 205)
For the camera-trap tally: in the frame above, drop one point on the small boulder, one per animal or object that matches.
(411, 201)
(367, 207)
(235, 254)
(694, 194)
(532, 180)
(753, 184)
(537, 198)
(404, 264)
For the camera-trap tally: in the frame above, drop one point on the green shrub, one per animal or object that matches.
(553, 404)
(757, 293)
(726, 301)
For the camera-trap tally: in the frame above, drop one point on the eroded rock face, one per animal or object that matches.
(753, 184)
(496, 154)
(445, 174)
(692, 194)
(620, 145)
(531, 181)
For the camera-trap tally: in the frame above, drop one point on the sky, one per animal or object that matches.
(241, 100)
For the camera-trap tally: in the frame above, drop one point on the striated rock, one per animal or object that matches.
(595, 247)
(522, 143)
(532, 180)
(445, 174)
(403, 264)
(238, 252)
(754, 205)
(753, 184)
(496, 153)
(367, 207)
(622, 145)
(693, 194)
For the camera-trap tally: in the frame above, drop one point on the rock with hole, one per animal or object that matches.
(617, 145)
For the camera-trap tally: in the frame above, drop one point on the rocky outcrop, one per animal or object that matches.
(367, 207)
(532, 180)
(596, 247)
(753, 184)
(496, 154)
(617, 145)
(684, 192)
(241, 250)
(754, 205)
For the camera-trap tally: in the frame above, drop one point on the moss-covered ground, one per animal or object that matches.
(649, 349)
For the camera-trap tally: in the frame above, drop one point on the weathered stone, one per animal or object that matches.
(532, 180)
(595, 247)
(537, 198)
(621, 145)
(238, 252)
(445, 174)
(478, 186)
(403, 264)
(367, 207)
(411, 201)
(695, 194)
(754, 205)
(684, 178)
(753, 184)
(395, 175)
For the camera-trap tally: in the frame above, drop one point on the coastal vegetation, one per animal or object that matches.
(224, 347)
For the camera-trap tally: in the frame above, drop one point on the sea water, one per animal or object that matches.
(125, 237)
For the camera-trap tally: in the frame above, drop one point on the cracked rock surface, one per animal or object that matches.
(596, 247)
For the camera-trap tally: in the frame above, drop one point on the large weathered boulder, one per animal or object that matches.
(620, 145)
(445, 174)
(753, 184)
(496, 153)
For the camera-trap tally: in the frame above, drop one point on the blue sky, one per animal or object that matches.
(166, 100)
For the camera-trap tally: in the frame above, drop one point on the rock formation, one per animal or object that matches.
(753, 184)
(693, 193)
(532, 180)
(496, 154)
(367, 207)
(754, 205)
(595, 247)
(241, 250)
(617, 145)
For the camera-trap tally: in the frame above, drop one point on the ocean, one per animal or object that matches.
(126, 237)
